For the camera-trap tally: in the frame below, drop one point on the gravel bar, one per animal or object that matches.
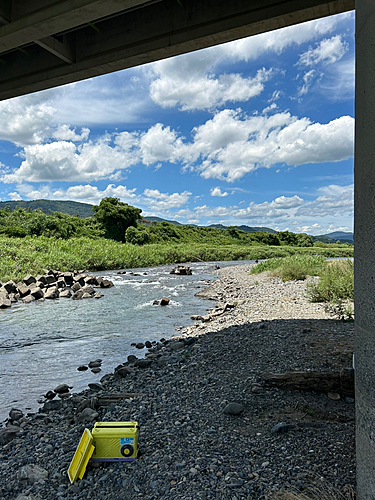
(209, 428)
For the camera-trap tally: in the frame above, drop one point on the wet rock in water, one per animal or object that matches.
(87, 296)
(233, 409)
(148, 344)
(77, 295)
(15, 414)
(32, 474)
(37, 293)
(132, 359)
(104, 283)
(82, 368)
(164, 301)
(66, 294)
(28, 299)
(182, 271)
(60, 389)
(98, 295)
(156, 303)
(50, 395)
(140, 345)
(52, 293)
(96, 370)
(95, 364)
(4, 302)
(76, 287)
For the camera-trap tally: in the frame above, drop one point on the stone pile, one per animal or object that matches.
(52, 285)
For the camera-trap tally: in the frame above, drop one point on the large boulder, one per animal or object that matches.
(88, 289)
(10, 286)
(50, 279)
(9, 433)
(29, 279)
(66, 294)
(23, 290)
(52, 293)
(32, 474)
(4, 302)
(80, 278)
(37, 293)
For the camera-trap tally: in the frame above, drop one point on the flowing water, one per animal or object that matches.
(43, 343)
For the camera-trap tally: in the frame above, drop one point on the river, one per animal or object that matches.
(43, 343)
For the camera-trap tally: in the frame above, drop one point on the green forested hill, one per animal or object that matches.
(47, 206)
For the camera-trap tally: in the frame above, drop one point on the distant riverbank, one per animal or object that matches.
(32, 255)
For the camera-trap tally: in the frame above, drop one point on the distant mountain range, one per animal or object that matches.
(85, 210)
(47, 206)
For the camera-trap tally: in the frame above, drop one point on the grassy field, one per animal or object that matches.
(33, 254)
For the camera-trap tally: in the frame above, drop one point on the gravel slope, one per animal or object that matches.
(191, 448)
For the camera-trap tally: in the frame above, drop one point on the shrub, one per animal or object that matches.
(336, 283)
(295, 267)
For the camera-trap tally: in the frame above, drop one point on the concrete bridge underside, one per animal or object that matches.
(46, 43)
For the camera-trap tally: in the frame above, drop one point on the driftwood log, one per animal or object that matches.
(339, 382)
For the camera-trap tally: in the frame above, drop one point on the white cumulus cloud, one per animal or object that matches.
(327, 51)
(217, 192)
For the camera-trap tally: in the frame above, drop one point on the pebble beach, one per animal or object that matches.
(210, 428)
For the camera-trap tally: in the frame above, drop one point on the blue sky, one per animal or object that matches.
(259, 131)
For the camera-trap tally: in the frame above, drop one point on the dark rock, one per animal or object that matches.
(95, 364)
(164, 301)
(29, 279)
(189, 341)
(233, 409)
(76, 287)
(82, 368)
(143, 363)
(55, 404)
(176, 346)
(148, 344)
(105, 283)
(10, 287)
(280, 428)
(96, 370)
(60, 389)
(32, 474)
(15, 414)
(37, 293)
(50, 279)
(50, 395)
(88, 289)
(9, 433)
(88, 414)
(156, 303)
(123, 371)
(140, 345)
(95, 386)
(132, 359)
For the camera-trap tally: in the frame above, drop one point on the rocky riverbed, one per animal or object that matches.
(209, 426)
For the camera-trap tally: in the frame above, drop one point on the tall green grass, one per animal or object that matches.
(296, 267)
(336, 283)
(21, 256)
(336, 277)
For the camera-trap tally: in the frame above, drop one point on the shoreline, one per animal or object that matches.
(190, 447)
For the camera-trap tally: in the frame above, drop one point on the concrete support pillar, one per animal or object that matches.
(364, 227)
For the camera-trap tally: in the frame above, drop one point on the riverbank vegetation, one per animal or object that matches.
(336, 283)
(115, 238)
